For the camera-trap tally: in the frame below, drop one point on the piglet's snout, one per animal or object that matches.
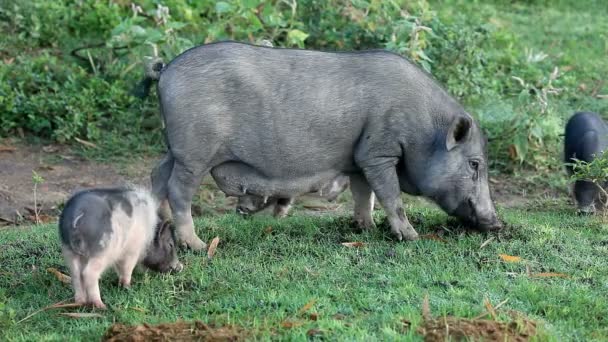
(178, 267)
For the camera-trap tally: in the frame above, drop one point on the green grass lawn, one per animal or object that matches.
(266, 270)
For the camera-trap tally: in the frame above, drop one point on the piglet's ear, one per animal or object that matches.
(458, 132)
(163, 226)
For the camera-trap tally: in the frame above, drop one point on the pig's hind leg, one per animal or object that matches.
(90, 279)
(75, 263)
(160, 179)
(281, 208)
(183, 183)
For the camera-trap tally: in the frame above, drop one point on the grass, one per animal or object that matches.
(261, 277)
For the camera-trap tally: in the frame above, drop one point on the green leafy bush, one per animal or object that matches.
(70, 67)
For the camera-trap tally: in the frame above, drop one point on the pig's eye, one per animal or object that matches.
(474, 164)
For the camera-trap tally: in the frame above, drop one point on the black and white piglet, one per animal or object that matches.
(117, 227)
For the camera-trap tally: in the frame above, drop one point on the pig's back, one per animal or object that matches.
(298, 111)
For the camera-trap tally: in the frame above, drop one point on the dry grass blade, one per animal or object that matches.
(353, 244)
(549, 275)
(489, 307)
(85, 143)
(485, 243)
(426, 308)
(81, 314)
(60, 276)
(494, 309)
(212, 247)
(52, 306)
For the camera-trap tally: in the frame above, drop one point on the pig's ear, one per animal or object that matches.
(458, 132)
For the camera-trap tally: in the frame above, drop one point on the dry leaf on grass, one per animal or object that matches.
(212, 247)
(314, 332)
(549, 275)
(307, 306)
(509, 258)
(291, 324)
(353, 244)
(81, 314)
(60, 276)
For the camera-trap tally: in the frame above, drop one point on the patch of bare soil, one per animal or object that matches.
(521, 192)
(179, 331)
(450, 328)
(62, 172)
(462, 329)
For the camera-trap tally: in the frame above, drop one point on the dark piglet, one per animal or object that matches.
(118, 227)
(250, 204)
(586, 138)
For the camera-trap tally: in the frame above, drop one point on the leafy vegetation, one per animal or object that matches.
(550, 266)
(69, 69)
(595, 172)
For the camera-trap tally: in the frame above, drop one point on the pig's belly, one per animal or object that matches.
(238, 179)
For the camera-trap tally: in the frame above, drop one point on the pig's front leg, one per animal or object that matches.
(76, 268)
(124, 269)
(382, 178)
(90, 279)
(364, 202)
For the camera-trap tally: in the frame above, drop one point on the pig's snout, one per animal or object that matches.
(178, 267)
(241, 210)
(491, 224)
(482, 219)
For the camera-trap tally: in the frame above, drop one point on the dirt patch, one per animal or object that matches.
(460, 329)
(450, 328)
(179, 331)
(62, 171)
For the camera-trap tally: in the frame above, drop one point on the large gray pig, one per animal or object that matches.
(275, 122)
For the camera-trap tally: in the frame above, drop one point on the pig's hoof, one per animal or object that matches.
(194, 243)
(364, 224)
(125, 285)
(179, 267)
(406, 233)
(99, 305)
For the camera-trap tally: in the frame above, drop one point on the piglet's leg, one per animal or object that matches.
(125, 268)
(282, 207)
(90, 279)
(75, 265)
